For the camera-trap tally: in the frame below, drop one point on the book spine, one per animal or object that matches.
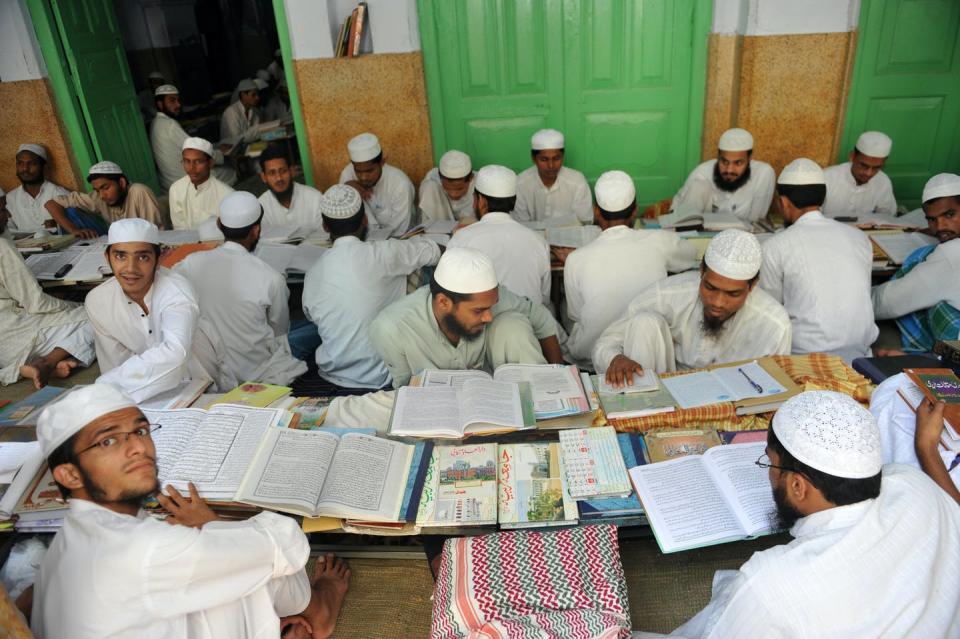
(359, 15)
(352, 41)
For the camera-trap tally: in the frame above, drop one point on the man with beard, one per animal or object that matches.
(446, 192)
(463, 320)
(244, 298)
(695, 319)
(733, 183)
(241, 120)
(924, 295)
(860, 186)
(286, 202)
(869, 558)
(387, 192)
(819, 269)
(27, 202)
(113, 570)
(195, 198)
(167, 138)
(548, 188)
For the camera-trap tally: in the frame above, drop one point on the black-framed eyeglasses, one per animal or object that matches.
(114, 440)
(764, 462)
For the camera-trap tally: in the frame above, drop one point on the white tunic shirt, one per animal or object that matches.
(885, 567)
(345, 291)
(760, 327)
(27, 213)
(435, 204)
(144, 354)
(246, 300)
(820, 270)
(166, 139)
(391, 205)
(521, 256)
(304, 211)
(113, 575)
(601, 278)
(846, 197)
(927, 284)
(568, 196)
(191, 205)
(749, 203)
(237, 124)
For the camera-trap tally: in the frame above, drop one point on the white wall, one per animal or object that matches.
(314, 24)
(784, 17)
(19, 51)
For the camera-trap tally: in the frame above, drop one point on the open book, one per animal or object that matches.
(75, 264)
(898, 246)
(708, 221)
(913, 396)
(754, 386)
(702, 500)
(289, 258)
(573, 236)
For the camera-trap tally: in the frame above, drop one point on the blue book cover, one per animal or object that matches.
(26, 411)
(415, 480)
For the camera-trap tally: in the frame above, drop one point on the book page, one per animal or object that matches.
(556, 389)
(434, 377)
(746, 485)
(304, 257)
(45, 265)
(696, 389)
(748, 380)
(485, 401)
(366, 479)
(177, 428)
(277, 256)
(426, 412)
(572, 236)
(898, 246)
(645, 383)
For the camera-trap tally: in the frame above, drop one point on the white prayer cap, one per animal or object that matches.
(166, 89)
(546, 139)
(466, 271)
(105, 168)
(340, 202)
(263, 74)
(198, 144)
(874, 144)
(455, 164)
(614, 191)
(941, 185)
(830, 432)
(36, 149)
(364, 147)
(239, 209)
(155, 75)
(494, 180)
(132, 229)
(735, 140)
(734, 254)
(801, 171)
(260, 84)
(68, 415)
(246, 85)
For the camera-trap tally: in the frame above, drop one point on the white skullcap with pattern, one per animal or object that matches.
(364, 147)
(615, 191)
(465, 270)
(735, 140)
(494, 180)
(874, 144)
(105, 168)
(132, 229)
(340, 202)
(801, 171)
(735, 254)
(455, 165)
(198, 144)
(941, 185)
(166, 89)
(546, 139)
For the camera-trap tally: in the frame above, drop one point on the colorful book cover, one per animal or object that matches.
(532, 489)
(592, 463)
(27, 410)
(632, 449)
(254, 394)
(668, 444)
(460, 487)
(939, 385)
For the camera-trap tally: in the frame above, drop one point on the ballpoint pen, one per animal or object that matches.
(757, 387)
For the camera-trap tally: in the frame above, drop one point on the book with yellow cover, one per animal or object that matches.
(254, 394)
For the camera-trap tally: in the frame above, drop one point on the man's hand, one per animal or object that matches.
(560, 253)
(83, 234)
(364, 192)
(192, 512)
(621, 370)
(929, 427)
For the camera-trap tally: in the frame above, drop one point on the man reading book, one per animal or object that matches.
(112, 570)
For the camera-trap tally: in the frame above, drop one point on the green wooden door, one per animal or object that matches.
(623, 79)
(906, 83)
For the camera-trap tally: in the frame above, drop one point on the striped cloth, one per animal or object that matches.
(565, 583)
(921, 329)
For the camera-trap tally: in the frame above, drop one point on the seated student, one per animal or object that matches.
(276, 102)
(692, 320)
(387, 192)
(860, 186)
(114, 571)
(819, 269)
(733, 183)
(548, 188)
(602, 277)
(240, 121)
(446, 192)
(27, 202)
(521, 256)
(350, 284)
(463, 320)
(195, 198)
(244, 298)
(145, 96)
(286, 202)
(167, 138)
(40, 336)
(145, 320)
(924, 295)
(869, 558)
(114, 198)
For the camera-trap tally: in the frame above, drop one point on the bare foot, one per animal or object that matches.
(38, 371)
(295, 627)
(64, 367)
(331, 579)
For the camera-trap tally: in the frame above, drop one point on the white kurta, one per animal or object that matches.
(108, 574)
(166, 139)
(885, 567)
(345, 291)
(846, 197)
(246, 300)
(237, 124)
(304, 211)
(144, 354)
(520, 256)
(761, 327)
(435, 204)
(601, 278)
(190, 205)
(820, 270)
(927, 284)
(568, 196)
(391, 205)
(749, 203)
(27, 213)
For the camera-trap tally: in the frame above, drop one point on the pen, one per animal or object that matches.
(757, 387)
(63, 271)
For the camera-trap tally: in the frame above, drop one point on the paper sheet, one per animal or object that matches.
(12, 457)
(279, 256)
(645, 383)
(572, 236)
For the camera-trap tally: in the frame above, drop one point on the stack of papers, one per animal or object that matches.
(77, 264)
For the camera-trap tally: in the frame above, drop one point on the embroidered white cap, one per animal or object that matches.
(546, 139)
(37, 149)
(494, 180)
(198, 144)
(735, 140)
(875, 144)
(68, 415)
(614, 191)
(465, 270)
(133, 229)
(364, 147)
(830, 432)
(239, 210)
(734, 254)
(941, 185)
(166, 89)
(246, 85)
(801, 171)
(105, 168)
(455, 164)
(340, 202)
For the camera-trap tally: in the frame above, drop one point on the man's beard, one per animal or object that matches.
(33, 182)
(712, 326)
(787, 515)
(285, 195)
(723, 185)
(99, 494)
(171, 114)
(451, 324)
